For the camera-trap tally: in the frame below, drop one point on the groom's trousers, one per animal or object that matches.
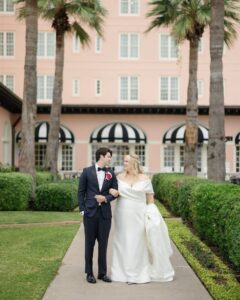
(96, 228)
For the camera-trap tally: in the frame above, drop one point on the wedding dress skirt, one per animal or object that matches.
(141, 245)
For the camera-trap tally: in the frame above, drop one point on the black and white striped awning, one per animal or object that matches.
(118, 133)
(237, 139)
(176, 135)
(42, 131)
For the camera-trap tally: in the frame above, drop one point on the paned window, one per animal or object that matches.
(169, 90)
(46, 44)
(8, 80)
(45, 87)
(129, 45)
(168, 46)
(129, 7)
(7, 44)
(6, 6)
(129, 88)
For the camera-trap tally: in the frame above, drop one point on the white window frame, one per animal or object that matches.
(45, 56)
(126, 149)
(200, 87)
(168, 101)
(4, 81)
(45, 98)
(129, 9)
(98, 44)
(170, 38)
(129, 100)
(76, 44)
(98, 86)
(60, 161)
(202, 163)
(129, 46)
(7, 143)
(200, 46)
(5, 45)
(5, 12)
(75, 81)
(36, 149)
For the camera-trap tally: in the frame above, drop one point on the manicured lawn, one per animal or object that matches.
(24, 217)
(30, 257)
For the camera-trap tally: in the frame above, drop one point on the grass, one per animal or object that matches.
(164, 212)
(30, 257)
(24, 217)
(215, 275)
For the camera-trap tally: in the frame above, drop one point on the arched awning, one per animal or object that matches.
(42, 131)
(118, 133)
(176, 135)
(237, 139)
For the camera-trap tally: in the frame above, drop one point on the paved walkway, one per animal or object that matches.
(70, 282)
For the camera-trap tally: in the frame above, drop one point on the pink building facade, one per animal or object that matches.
(127, 91)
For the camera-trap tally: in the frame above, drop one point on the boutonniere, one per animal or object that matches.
(108, 176)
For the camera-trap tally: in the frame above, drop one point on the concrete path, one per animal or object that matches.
(70, 282)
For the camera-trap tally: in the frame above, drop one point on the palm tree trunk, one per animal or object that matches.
(53, 137)
(29, 107)
(191, 136)
(216, 144)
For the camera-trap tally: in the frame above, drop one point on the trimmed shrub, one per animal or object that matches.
(216, 211)
(6, 168)
(167, 190)
(15, 191)
(57, 196)
(232, 233)
(43, 177)
(212, 207)
(185, 198)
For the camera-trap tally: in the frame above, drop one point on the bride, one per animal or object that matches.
(141, 245)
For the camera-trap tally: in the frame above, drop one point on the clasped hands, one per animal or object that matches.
(101, 198)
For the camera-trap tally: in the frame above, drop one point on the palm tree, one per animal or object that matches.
(188, 19)
(27, 145)
(71, 16)
(216, 145)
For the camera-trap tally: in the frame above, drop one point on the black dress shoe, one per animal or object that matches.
(104, 278)
(91, 279)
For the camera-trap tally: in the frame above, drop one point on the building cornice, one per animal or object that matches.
(9, 100)
(133, 109)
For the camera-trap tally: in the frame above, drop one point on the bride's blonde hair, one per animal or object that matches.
(135, 164)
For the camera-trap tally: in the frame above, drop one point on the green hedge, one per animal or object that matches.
(167, 190)
(213, 209)
(15, 191)
(216, 217)
(57, 196)
(43, 177)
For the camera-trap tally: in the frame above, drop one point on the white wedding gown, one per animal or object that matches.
(141, 250)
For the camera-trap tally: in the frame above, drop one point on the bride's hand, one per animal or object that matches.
(114, 192)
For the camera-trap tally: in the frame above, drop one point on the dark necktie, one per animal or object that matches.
(101, 169)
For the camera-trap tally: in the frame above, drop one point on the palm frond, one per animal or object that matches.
(231, 20)
(181, 28)
(164, 13)
(81, 34)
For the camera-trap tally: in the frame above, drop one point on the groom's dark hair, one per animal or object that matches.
(102, 151)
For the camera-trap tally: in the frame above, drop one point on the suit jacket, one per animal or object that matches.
(88, 188)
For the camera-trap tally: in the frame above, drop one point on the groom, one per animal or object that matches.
(94, 204)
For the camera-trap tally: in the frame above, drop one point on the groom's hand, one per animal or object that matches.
(100, 198)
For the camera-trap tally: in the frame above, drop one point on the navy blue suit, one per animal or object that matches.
(97, 219)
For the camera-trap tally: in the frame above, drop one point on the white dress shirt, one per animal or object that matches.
(100, 176)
